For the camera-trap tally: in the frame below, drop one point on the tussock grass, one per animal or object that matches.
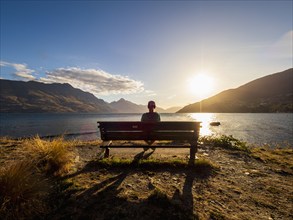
(215, 215)
(24, 184)
(224, 141)
(22, 191)
(7, 144)
(51, 156)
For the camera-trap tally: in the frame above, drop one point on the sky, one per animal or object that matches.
(173, 52)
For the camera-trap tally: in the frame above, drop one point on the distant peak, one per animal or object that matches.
(66, 84)
(122, 100)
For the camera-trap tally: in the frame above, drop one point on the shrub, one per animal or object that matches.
(51, 156)
(224, 141)
(22, 191)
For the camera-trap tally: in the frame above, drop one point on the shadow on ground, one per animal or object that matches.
(109, 198)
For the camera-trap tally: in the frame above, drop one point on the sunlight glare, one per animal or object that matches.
(201, 85)
(205, 119)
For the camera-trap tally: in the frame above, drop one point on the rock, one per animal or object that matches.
(215, 123)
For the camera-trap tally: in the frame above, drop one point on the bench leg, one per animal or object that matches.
(107, 149)
(107, 153)
(193, 150)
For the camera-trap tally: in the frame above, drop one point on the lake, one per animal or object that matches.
(254, 128)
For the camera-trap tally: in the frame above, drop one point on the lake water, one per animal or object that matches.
(253, 128)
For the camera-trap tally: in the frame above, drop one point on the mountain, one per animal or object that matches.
(172, 109)
(124, 106)
(272, 93)
(19, 96)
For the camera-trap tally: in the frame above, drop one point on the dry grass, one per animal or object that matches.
(51, 156)
(282, 158)
(22, 191)
(24, 179)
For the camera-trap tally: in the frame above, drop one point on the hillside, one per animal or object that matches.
(272, 93)
(124, 106)
(18, 96)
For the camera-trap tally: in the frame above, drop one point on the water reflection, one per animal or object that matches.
(205, 119)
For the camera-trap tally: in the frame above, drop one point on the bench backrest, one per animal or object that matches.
(134, 130)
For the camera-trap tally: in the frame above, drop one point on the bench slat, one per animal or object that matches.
(146, 146)
(154, 135)
(138, 126)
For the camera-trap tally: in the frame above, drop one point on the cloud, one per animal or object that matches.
(95, 81)
(171, 97)
(21, 70)
(150, 93)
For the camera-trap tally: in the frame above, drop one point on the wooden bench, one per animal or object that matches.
(150, 132)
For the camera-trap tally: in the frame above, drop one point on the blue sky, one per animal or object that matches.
(146, 50)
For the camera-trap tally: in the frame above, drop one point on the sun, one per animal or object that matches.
(201, 85)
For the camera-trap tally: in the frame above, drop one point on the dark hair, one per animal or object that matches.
(151, 103)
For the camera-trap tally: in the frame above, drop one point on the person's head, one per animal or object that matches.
(151, 106)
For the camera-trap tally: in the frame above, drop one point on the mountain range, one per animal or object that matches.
(19, 96)
(124, 106)
(272, 93)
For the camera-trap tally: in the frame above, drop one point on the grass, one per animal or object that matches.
(22, 191)
(202, 166)
(24, 184)
(282, 158)
(225, 142)
(215, 215)
(145, 163)
(51, 156)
